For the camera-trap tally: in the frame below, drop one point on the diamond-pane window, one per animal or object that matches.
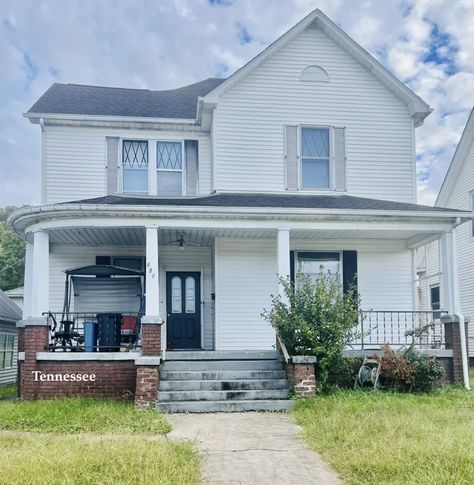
(135, 154)
(135, 166)
(315, 142)
(169, 156)
(315, 153)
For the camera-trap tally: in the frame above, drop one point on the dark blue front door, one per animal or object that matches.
(183, 306)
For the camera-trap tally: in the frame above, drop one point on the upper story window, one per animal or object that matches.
(315, 158)
(135, 166)
(169, 165)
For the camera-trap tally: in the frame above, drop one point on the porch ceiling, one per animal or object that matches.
(135, 236)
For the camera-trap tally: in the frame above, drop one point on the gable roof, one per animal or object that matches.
(462, 150)
(417, 108)
(9, 311)
(77, 99)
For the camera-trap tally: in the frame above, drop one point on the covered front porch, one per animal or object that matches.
(208, 282)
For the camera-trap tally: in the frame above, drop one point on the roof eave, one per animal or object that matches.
(462, 149)
(36, 117)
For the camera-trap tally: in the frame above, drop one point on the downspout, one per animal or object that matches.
(458, 314)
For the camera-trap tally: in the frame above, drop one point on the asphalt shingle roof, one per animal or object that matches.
(143, 103)
(9, 311)
(269, 201)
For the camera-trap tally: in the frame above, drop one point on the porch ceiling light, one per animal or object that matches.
(182, 243)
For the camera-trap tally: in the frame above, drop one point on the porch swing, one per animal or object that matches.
(105, 296)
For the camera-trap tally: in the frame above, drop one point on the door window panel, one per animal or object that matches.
(190, 286)
(176, 298)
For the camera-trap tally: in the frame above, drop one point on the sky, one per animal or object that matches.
(161, 44)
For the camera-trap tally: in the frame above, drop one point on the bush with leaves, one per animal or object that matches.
(343, 373)
(409, 371)
(315, 318)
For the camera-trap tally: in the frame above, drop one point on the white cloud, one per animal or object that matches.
(160, 45)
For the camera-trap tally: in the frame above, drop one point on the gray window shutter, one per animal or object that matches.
(291, 157)
(192, 163)
(340, 159)
(112, 164)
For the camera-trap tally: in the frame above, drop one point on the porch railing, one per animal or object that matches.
(93, 332)
(422, 329)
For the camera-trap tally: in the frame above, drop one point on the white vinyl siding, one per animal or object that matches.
(75, 163)
(252, 116)
(245, 278)
(387, 289)
(9, 374)
(461, 198)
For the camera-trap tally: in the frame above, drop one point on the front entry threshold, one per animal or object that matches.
(222, 355)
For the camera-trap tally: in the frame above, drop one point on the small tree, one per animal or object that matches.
(315, 318)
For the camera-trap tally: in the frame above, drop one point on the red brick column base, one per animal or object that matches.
(35, 339)
(301, 374)
(146, 391)
(453, 342)
(151, 337)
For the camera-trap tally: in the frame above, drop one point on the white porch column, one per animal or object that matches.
(39, 275)
(152, 296)
(448, 269)
(28, 281)
(283, 257)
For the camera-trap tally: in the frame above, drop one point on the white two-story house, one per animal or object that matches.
(303, 157)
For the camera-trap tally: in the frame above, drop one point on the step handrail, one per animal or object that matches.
(282, 348)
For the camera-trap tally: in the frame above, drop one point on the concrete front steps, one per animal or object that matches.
(206, 382)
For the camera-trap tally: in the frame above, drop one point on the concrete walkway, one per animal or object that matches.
(252, 448)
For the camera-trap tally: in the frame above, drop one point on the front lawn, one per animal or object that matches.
(78, 441)
(391, 438)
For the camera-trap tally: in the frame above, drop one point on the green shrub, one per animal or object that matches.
(315, 318)
(428, 371)
(343, 372)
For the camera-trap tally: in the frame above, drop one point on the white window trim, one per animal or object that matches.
(183, 166)
(331, 158)
(152, 164)
(4, 351)
(340, 252)
(121, 168)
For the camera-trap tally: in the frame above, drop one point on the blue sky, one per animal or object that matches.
(429, 44)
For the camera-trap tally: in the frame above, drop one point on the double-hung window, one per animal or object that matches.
(135, 166)
(7, 347)
(313, 263)
(169, 168)
(315, 158)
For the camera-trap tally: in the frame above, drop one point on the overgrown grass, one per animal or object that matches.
(7, 390)
(85, 459)
(392, 438)
(79, 415)
(89, 441)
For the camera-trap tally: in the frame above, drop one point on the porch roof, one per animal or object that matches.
(255, 200)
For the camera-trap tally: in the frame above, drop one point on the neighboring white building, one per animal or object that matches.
(16, 296)
(457, 192)
(304, 157)
(9, 315)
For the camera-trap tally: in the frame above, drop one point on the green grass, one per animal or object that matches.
(7, 391)
(84, 459)
(88, 441)
(390, 438)
(79, 415)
